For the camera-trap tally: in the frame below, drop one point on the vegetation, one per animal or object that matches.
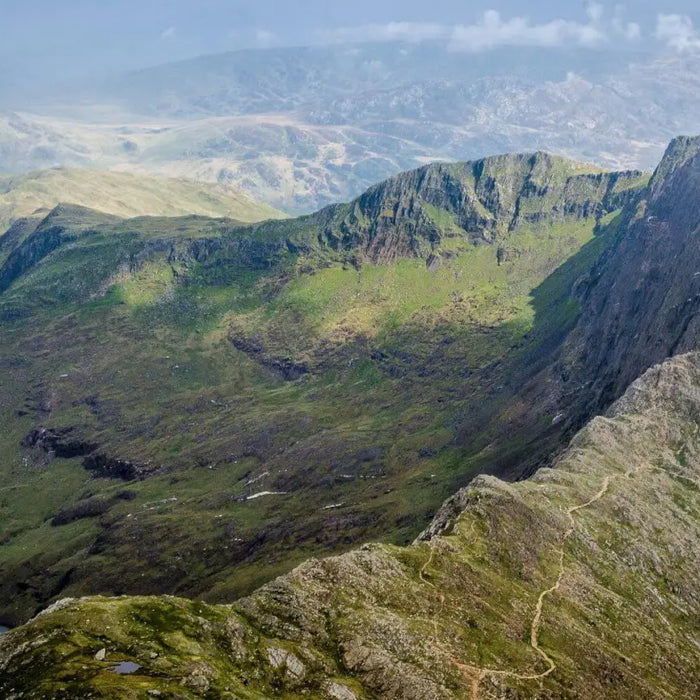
(282, 390)
(123, 194)
(579, 582)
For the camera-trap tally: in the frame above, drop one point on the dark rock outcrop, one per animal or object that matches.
(58, 441)
(408, 215)
(641, 302)
(64, 444)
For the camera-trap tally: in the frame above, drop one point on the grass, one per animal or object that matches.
(125, 334)
(125, 195)
(465, 598)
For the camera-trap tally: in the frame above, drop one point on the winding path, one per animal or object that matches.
(475, 674)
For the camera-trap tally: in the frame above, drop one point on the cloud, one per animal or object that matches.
(628, 30)
(493, 31)
(677, 32)
(413, 32)
(264, 38)
(595, 11)
(168, 33)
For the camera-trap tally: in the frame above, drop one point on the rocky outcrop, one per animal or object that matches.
(64, 443)
(60, 442)
(640, 303)
(481, 201)
(580, 582)
(283, 367)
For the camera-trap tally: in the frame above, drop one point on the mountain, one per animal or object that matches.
(246, 416)
(580, 582)
(122, 194)
(303, 128)
(296, 388)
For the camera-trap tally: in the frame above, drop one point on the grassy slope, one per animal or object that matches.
(124, 195)
(577, 583)
(130, 345)
(398, 354)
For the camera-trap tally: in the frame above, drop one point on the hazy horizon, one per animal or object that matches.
(56, 42)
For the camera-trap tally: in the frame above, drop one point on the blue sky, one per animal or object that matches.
(68, 38)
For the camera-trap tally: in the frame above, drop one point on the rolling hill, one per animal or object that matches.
(122, 194)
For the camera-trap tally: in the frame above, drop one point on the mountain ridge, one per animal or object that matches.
(266, 349)
(388, 622)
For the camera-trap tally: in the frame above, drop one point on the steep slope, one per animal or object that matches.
(278, 390)
(124, 195)
(580, 582)
(640, 303)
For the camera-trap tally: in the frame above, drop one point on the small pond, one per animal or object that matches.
(125, 668)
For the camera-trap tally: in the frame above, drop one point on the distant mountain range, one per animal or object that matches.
(301, 128)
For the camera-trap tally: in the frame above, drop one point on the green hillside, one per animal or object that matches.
(577, 583)
(193, 406)
(123, 194)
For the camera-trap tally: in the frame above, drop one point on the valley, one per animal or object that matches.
(573, 582)
(349, 351)
(246, 420)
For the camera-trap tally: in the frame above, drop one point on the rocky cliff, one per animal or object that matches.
(640, 302)
(481, 201)
(580, 582)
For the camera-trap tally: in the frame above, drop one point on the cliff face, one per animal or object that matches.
(481, 201)
(580, 582)
(637, 304)
(641, 301)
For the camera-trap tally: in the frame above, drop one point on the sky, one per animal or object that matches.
(65, 39)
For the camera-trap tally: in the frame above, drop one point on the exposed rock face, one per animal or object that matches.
(481, 200)
(58, 442)
(64, 444)
(641, 301)
(580, 582)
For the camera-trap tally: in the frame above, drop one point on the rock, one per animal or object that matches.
(101, 654)
(279, 658)
(336, 691)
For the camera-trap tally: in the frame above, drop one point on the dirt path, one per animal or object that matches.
(474, 675)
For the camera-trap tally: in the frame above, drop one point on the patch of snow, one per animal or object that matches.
(266, 493)
(257, 478)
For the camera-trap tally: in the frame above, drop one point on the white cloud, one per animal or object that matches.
(595, 11)
(265, 38)
(414, 32)
(492, 31)
(632, 31)
(677, 32)
(168, 33)
(628, 30)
